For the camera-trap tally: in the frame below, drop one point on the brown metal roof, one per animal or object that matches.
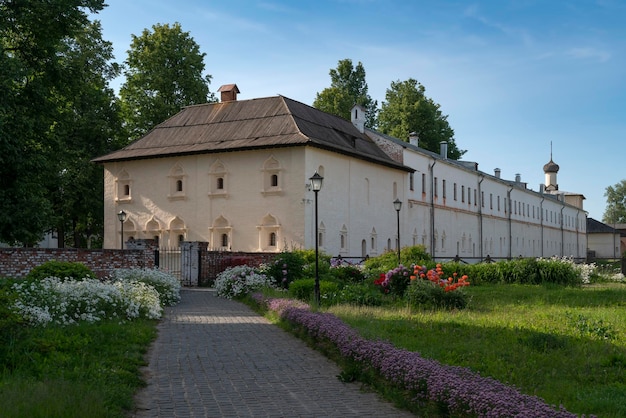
(250, 124)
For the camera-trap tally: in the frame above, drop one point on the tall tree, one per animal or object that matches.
(615, 211)
(163, 74)
(406, 109)
(88, 125)
(30, 34)
(347, 88)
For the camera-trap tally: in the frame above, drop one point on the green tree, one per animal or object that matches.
(348, 87)
(30, 75)
(406, 109)
(163, 74)
(615, 211)
(88, 125)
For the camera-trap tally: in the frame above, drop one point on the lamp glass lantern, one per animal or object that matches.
(316, 182)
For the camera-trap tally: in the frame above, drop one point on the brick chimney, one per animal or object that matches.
(229, 92)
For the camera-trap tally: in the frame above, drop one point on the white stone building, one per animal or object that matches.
(236, 175)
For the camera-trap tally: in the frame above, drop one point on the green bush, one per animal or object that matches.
(389, 260)
(285, 268)
(289, 266)
(347, 274)
(425, 294)
(304, 289)
(61, 270)
(362, 294)
(558, 271)
(522, 271)
(9, 320)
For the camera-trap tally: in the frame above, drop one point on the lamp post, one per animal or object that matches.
(122, 217)
(316, 185)
(397, 205)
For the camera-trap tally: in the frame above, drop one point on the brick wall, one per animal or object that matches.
(17, 262)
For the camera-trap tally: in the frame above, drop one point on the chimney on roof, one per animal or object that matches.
(229, 92)
(518, 178)
(497, 172)
(414, 139)
(444, 149)
(357, 116)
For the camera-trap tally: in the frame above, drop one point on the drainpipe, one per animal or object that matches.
(432, 208)
(480, 216)
(541, 222)
(577, 235)
(562, 233)
(508, 197)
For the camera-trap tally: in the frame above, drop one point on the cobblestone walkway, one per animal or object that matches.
(217, 358)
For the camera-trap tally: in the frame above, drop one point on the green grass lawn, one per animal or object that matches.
(85, 370)
(565, 345)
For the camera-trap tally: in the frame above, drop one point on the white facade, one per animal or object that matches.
(355, 210)
(259, 200)
(456, 210)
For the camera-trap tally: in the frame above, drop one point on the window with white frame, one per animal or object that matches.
(177, 178)
(221, 233)
(343, 239)
(123, 187)
(321, 235)
(271, 177)
(269, 229)
(217, 179)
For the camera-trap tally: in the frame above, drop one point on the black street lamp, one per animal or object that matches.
(397, 205)
(316, 185)
(122, 217)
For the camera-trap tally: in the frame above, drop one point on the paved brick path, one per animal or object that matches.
(217, 358)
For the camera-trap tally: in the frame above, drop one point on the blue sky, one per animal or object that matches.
(512, 76)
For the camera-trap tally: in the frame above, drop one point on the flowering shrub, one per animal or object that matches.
(457, 390)
(395, 281)
(52, 300)
(559, 270)
(239, 281)
(430, 289)
(167, 286)
(437, 277)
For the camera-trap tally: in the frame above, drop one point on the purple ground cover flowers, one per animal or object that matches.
(458, 390)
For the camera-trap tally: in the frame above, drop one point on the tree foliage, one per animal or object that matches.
(348, 88)
(31, 76)
(615, 211)
(406, 109)
(88, 125)
(163, 74)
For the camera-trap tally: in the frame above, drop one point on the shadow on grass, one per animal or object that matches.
(574, 371)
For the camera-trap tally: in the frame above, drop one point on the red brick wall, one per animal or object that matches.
(17, 262)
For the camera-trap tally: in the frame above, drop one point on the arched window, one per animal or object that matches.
(218, 180)
(176, 178)
(270, 173)
(224, 240)
(181, 238)
(272, 239)
(126, 190)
